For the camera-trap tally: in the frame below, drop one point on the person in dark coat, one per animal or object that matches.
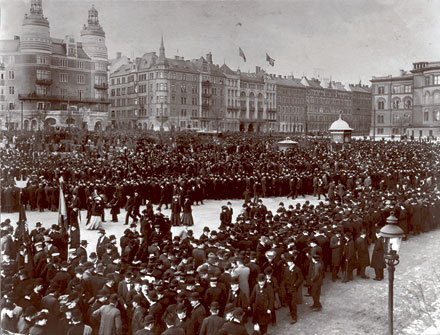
(349, 257)
(198, 314)
(114, 207)
(110, 317)
(336, 246)
(317, 277)
(235, 326)
(292, 280)
(175, 211)
(262, 303)
(129, 207)
(213, 323)
(101, 243)
(363, 256)
(378, 257)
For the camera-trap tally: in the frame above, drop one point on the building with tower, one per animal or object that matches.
(53, 82)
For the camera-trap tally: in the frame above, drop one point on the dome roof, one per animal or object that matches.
(340, 125)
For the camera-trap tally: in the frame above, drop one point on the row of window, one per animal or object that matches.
(396, 104)
(156, 75)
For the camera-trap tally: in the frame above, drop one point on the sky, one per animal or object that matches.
(345, 40)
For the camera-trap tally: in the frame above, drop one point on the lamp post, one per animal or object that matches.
(392, 235)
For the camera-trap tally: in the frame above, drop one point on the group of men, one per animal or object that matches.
(243, 272)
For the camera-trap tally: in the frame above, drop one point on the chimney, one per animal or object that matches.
(16, 37)
(402, 72)
(291, 77)
(280, 76)
(209, 57)
(257, 69)
(118, 55)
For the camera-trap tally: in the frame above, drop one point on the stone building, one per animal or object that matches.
(53, 82)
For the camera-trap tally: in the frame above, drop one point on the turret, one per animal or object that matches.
(93, 37)
(35, 37)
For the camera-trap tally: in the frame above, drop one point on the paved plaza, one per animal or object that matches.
(358, 307)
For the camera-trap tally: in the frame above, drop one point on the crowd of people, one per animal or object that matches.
(152, 282)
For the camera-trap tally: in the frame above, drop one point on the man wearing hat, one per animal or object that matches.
(81, 250)
(198, 313)
(262, 303)
(242, 272)
(236, 296)
(212, 324)
(292, 280)
(101, 243)
(156, 310)
(317, 276)
(235, 327)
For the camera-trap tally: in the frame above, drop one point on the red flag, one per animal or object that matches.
(241, 54)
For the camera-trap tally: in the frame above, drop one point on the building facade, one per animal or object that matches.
(155, 92)
(47, 81)
(408, 104)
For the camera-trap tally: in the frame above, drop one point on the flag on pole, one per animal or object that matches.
(241, 54)
(62, 211)
(270, 60)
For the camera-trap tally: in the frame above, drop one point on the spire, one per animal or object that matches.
(161, 59)
(162, 48)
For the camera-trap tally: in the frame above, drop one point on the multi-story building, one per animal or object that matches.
(392, 104)
(291, 104)
(408, 104)
(48, 81)
(173, 93)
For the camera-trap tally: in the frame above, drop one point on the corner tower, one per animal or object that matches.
(35, 37)
(93, 37)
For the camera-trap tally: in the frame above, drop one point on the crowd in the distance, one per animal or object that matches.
(150, 282)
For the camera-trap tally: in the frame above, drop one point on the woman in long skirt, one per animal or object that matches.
(187, 218)
(95, 221)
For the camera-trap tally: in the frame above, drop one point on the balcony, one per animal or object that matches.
(62, 98)
(205, 104)
(43, 81)
(206, 83)
(206, 95)
(101, 86)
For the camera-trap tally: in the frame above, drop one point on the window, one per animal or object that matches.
(425, 116)
(64, 77)
(408, 88)
(396, 104)
(183, 100)
(42, 59)
(437, 79)
(80, 93)
(408, 104)
(11, 106)
(41, 90)
(123, 80)
(380, 131)
(183, 112)
(42, 75)
(183, 88)
(63, 106)
(42, 106)
(380, 119)
(183, 76)
(63, 91)
(381, 90)
(81, 80)
(100, 66)
(161, 86)
(64, 62)
(11, 90)
(427, 81)
(80, 64)
(11, 75)
(396, 89)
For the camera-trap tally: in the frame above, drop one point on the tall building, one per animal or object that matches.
(48, 81)
(155, 92)
(407, 104)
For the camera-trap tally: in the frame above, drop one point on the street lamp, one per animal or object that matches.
(392, 235)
